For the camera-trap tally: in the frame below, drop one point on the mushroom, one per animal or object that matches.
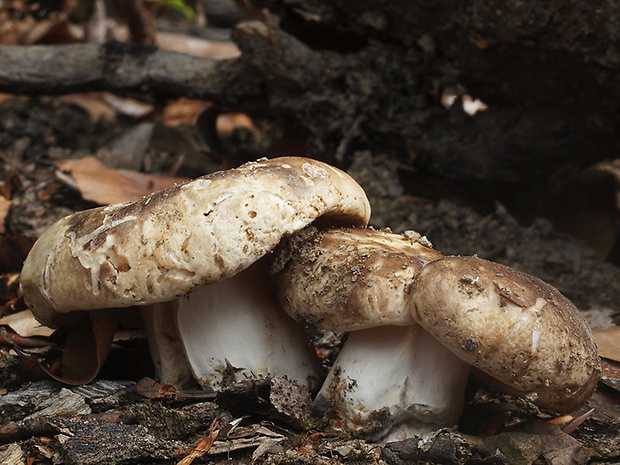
(391, 378)
(420, 320)
(521, 334)
(188, 253)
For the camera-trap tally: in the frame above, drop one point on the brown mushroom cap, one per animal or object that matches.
(350, 278)
(514, 327)
(391, 379)
(166, 244)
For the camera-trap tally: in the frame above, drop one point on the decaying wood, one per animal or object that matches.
(113, 66)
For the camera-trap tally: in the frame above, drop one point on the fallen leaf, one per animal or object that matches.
(148, 388)
(228, 122)
(25, 324)
(86, 347)
(5, 205)
(93, 103)
(18, 342)
(53, 31)
(128, 106)
(608, 341)
(573, 424)
(103, 185)
(12, 183)
(267, 446)
(148, 183)
(183, 111)
(204, 445)
(9, 298)
(181, 43)
(561, 420)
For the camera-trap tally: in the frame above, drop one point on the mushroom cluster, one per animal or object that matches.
(219, 307)
(419, 321)
(189, 255)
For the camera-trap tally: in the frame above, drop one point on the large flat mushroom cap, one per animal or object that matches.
(512, 326)
(346, 279)
(163, 246)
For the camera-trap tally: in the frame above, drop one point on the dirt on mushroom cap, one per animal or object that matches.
(319, 267)
(166, 244)
(514, 327)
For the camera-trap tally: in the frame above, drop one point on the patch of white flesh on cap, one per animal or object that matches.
(389, 383)
(46, 276)
(198, 184)
(102, 253)
(529, 318)
(232, 330)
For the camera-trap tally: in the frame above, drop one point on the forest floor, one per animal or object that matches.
(66, 153)
(122, 417)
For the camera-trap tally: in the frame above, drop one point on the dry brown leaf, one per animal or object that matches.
(228, 122)
(94, 103)
(128, 106)
(608, 341)
(203, 446)
(53, 31)
(18, 343)
(182, 111)
(25, 324)
(13, 30)
(86, 347)
(9, 282)
(4, 96)
(4, 211)
(103, 185)
(12, 182)
(8, 29)
(216, 50)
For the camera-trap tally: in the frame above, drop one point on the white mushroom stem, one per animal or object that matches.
(167, 352)
(389, 383)
(233, 329)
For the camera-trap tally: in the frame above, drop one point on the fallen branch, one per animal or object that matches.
(118, 67)
(52, 425)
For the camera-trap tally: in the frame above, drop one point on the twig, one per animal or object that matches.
(203, 446)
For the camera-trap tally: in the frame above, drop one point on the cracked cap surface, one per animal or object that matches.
(162, 246)
(346, 279)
